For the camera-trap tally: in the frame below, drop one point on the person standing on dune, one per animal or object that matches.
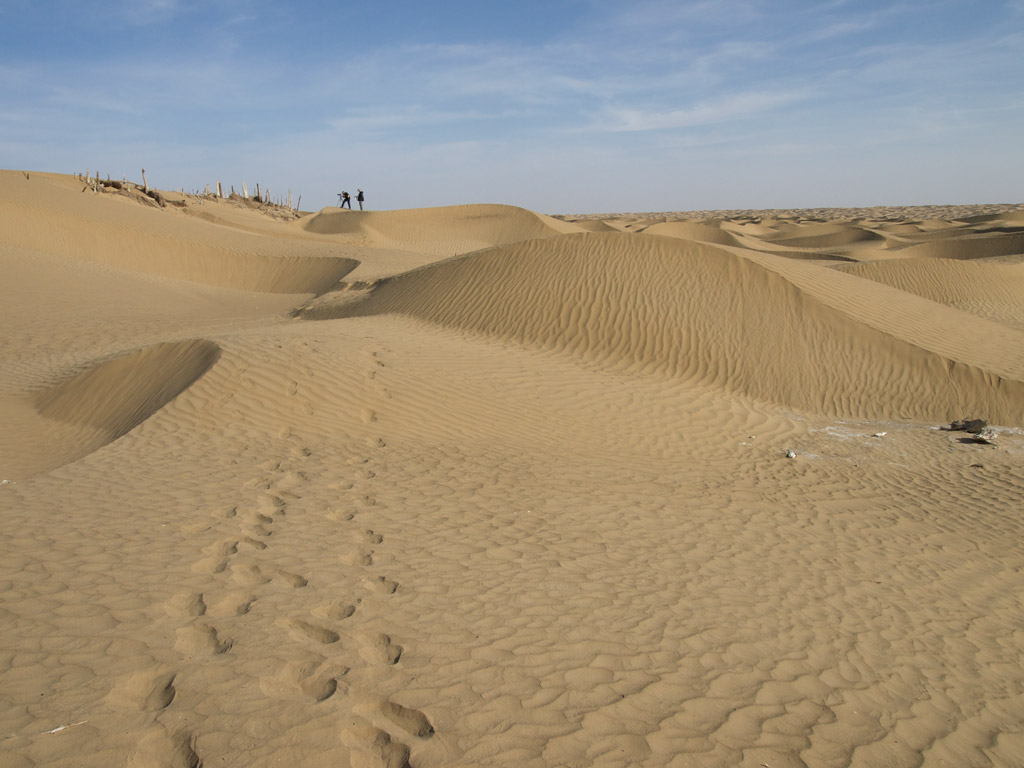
(360, 198)
(346, 200)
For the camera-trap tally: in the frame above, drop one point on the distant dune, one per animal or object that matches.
(439, 231)
(474, 485)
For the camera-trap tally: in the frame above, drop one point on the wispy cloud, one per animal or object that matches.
(371, 121)
(737, 106)
(145, 12)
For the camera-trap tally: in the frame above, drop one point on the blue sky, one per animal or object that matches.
(563, 106)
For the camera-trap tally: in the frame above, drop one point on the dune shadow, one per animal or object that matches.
(94, 407)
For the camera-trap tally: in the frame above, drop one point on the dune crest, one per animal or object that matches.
(445, 231)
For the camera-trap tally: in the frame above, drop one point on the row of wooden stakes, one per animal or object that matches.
(261, 196)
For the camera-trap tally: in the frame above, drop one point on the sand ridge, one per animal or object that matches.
(696, 313)
(470, 486)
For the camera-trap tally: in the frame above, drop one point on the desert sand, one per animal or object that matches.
(476, 486)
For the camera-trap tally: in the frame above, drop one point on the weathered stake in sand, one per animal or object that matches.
(476, 486)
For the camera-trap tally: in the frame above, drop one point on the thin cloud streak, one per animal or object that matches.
(738, 106)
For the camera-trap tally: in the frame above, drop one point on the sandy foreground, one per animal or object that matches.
(475, 486)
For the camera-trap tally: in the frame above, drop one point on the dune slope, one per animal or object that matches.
(443, 231)
(697, 313)
(52, 215)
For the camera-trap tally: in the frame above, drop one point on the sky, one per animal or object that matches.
(559, 106)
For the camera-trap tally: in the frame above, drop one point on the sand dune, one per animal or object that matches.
(991, 290)
(475, 486)
(52, 215)
(824, 236)
(439, 231)
(982, 246)
(686, 230)
(703, 315)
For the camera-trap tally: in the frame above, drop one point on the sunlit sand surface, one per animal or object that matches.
(477, 486)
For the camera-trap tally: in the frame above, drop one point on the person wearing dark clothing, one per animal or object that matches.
(360, 198)
(346, 200)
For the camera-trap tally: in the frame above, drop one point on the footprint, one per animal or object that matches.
(258, 518)
(249, 575)
(301, 677)
(235, 604)
(160, 747)
(410, 720)
(186, 605)
(336, 611)
(144, 691)
(273, 505)
(294, 580)
(200, 639)
(259, 524)
(369, 536)
(313, 632)
(254, 543)
(357, 557)
(373, 747)
(368, 415)
(382, 584)
(379, 649)
(217, 559)
(161, 692)
(261, 530)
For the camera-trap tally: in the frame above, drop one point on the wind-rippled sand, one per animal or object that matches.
(475, 486)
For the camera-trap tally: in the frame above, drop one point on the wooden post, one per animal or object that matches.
(145, 184)
(259, 196)
(207, 189)
(245, 191)
(298, 205)
(289, 198)
(220, 191)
